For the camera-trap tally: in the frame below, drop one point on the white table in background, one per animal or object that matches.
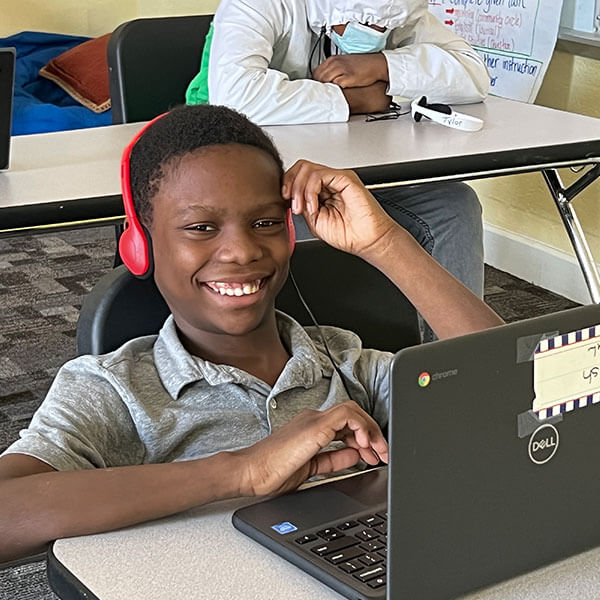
(71, 178)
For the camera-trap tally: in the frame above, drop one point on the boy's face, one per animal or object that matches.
(220, 241)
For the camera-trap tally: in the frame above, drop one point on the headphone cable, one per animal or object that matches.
(321, 334)
(310, 59)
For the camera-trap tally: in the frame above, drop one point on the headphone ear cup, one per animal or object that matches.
(417, 116)
(135, 249)
(441, 108)
(289, 221)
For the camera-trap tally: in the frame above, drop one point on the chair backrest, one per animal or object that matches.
(151, 62)
(339, 288)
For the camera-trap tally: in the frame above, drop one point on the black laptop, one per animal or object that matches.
(494, 469)
(7, 78)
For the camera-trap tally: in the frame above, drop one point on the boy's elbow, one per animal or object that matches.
(477, 84)
(481, 80)
(25, 531)
(12, 550)
(483, 87)
(17, 527)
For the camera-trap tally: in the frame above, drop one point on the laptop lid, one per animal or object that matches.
(481, 489)
(7, 78)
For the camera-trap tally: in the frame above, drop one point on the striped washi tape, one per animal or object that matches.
(559, 341)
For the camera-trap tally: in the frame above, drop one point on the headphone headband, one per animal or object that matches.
(135, 244)
(126, 170)
(444, 115)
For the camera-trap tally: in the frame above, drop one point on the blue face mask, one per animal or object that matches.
(360, 39)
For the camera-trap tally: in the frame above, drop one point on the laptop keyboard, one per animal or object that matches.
(357, 547)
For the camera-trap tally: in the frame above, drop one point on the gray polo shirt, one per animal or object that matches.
(151, 401)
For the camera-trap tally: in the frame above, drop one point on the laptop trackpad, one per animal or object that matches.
(321, 504)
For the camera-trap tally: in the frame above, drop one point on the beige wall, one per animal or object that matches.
(522, 203)
(519, 203)
(89, 17)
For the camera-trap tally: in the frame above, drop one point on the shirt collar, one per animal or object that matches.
(177, 368)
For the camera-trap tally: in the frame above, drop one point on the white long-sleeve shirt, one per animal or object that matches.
(261, 49)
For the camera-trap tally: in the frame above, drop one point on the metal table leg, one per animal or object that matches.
(562, 198)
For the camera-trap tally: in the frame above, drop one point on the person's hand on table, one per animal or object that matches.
(352, 70)
(293, 453)
(370, 99)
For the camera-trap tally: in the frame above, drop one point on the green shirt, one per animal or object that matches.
(197, 91)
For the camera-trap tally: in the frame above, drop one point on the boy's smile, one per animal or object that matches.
(220, 242)
(235, 289)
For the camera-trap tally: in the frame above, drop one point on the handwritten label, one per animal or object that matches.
(566, 372)
(515, 38)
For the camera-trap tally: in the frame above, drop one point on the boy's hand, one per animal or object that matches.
(336, 207)
(352, 70)
(292, 454)
(370, 99)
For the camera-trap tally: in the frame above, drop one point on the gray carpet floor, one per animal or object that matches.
(43, 280)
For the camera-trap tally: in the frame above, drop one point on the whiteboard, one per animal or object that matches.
(515, 38)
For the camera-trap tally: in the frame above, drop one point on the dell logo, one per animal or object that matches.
(543, 444)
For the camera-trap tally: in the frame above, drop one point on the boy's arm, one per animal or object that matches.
(342, 212)
(437, 63)
(424, 59)
(240, 76)
(40, 504)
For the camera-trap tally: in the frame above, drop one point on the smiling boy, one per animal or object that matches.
(231, 398)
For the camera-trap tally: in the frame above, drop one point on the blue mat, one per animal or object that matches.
(39, 104)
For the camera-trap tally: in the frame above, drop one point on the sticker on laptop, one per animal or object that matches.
(283, 528)
(566, 372)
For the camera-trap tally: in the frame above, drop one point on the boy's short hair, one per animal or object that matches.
(182, 130)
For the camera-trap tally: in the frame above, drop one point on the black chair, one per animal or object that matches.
(151, 62)
(339, 288)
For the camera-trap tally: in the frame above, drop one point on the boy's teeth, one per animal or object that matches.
(235, 289)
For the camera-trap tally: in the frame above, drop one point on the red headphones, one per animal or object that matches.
(135, 244)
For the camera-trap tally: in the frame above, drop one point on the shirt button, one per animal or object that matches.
(273, 403)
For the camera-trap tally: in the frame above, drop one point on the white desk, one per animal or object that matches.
(69, 178)
(200, 555)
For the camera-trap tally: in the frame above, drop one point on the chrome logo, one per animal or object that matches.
(424, 379)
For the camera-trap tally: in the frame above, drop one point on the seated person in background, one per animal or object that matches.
(316, 61)
(177, 420)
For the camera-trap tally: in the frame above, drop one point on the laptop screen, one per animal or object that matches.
(7, 77)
